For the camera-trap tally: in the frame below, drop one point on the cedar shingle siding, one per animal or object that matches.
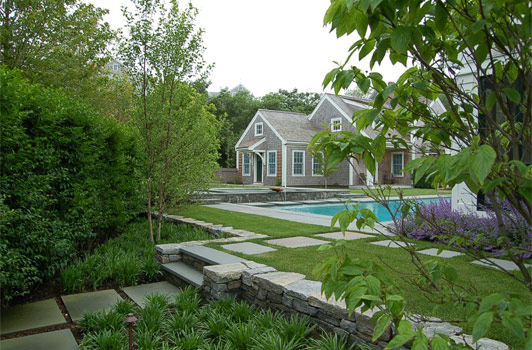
(288, 132)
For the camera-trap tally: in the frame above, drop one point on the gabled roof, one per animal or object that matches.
(251, 143)
(292, 127)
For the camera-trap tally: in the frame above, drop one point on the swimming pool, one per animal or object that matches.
(332, 209)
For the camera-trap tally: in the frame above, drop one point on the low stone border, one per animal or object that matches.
(291, 293)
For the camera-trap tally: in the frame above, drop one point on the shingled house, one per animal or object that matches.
(273, 148)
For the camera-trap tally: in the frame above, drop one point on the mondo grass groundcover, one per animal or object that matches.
(186, 323)
(126, 260)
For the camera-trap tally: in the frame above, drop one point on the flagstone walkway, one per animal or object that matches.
(46, 316)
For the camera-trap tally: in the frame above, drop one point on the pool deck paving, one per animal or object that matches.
(139, 293)
(248, 248)
(77, 304)
(296, 242)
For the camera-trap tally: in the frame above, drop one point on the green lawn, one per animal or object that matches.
(397, 262)
(254, 223)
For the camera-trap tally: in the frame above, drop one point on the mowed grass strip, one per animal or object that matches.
(275, 228)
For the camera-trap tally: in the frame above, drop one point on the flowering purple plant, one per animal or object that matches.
(436, 221)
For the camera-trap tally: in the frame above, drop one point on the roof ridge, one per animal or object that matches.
(275, 110)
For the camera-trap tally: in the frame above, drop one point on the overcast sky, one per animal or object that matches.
(266, 45)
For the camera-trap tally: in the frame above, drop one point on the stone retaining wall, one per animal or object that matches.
(291, 293)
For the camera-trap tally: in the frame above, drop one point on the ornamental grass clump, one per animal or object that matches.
(436, 221)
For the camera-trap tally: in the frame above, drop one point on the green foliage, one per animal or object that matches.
(68, 181)
(127, 260)
(175, 129)
(470, 53)
(58, 43)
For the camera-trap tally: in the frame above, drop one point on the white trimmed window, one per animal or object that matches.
(398, 162)
(259, 129)
(246, 166)
(298, 163)
(272, 163)
(317, 164)
(336, 124)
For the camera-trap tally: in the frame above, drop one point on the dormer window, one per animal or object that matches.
(258, 129)
(336, 124)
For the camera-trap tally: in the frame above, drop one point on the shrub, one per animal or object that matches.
(67, 180)
(436, 221)
(126, 260)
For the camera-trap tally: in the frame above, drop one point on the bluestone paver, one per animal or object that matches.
(296, 242)
(184, 272)
(390, 243)
(140, 292)
(211, 256)
(506, 264)
(31, 316)
(248, 248)
(77, 304)
(56, 340)
(443, 253)
(349, 236)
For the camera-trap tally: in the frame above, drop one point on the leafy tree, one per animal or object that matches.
(58, 43)
(163, 54)
(235, 112)
(292, 101)
(487, 131)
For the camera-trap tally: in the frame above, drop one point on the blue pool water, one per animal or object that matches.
(332, 209)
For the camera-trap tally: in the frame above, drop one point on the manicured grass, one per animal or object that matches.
(398, 264)
(409, 191)
(396, 261)
(255, 223)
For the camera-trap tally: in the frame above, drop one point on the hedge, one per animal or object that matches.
(67, 181)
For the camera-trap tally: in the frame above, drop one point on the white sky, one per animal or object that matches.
(266, 45)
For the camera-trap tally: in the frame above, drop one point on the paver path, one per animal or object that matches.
(56, 340)
(443, 253)
(506, 264)
(31, 316)
(248, 248)
(77, 304)
(390, 243)
(296, 242)
(139, 293)
(349, 236)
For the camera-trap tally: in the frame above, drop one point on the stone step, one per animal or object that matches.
(184, 272)
(210, 256)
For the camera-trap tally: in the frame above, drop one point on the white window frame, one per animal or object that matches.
(268, 164)
(261, 129)
(401, 174)
(314, 162)
(244, 173)
(294, 163)
(336, 124)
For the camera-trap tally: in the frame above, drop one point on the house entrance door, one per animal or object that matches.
(258, 168)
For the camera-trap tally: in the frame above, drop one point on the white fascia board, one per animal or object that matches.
(358, 104)
(311, 115)
(271, 127)
(283, 165)
(296, 143)
(247, 129)
(344, 114)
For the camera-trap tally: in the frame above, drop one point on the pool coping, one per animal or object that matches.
(308, 218)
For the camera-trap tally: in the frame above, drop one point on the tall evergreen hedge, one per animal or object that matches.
(67, 180)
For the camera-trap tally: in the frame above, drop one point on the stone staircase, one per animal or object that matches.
(188, 267)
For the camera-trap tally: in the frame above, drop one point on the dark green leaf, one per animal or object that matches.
(512, 94)
(382, 324)
(400, 39)
(482, 162)
(481, 326)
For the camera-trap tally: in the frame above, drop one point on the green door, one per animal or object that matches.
(258, 168)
